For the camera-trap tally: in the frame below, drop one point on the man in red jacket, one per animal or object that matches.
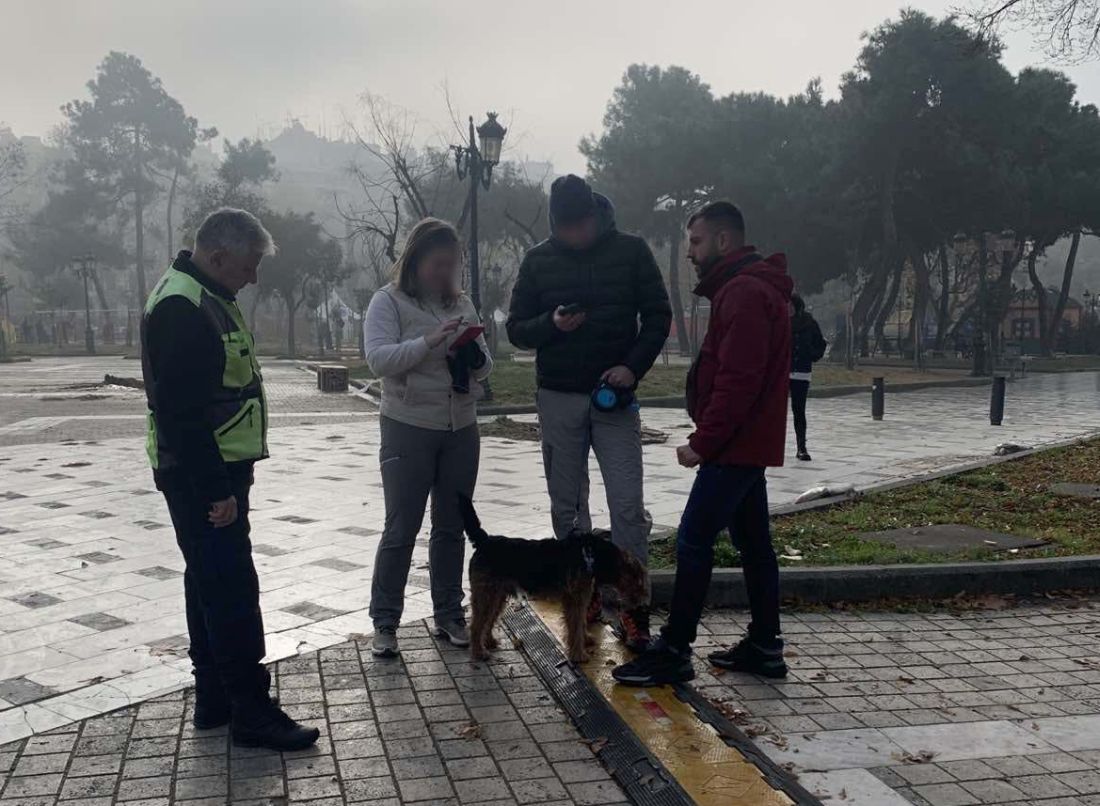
(737, 397)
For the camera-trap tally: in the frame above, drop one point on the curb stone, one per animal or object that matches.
(861, 583)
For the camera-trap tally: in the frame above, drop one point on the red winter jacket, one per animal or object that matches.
(737, 388)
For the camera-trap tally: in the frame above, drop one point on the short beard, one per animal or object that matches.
(703, 268)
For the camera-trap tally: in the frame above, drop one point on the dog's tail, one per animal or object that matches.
(470, 521)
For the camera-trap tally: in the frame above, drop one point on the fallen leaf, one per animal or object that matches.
(470, 732)
(597, 744)
(920, 757)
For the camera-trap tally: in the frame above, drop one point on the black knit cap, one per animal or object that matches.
(571, 199)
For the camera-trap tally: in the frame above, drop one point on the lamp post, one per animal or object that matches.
(476, 162)
(85, 266)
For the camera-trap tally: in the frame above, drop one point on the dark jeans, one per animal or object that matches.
(220, 586)
(733, 498)
(800, 390)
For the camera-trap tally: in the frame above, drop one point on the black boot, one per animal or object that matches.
(258, 721)
(211, 700)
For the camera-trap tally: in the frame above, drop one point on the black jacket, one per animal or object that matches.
(807, 344)
(617, 282)
(183, 360)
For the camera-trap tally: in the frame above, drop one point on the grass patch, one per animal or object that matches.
(1010, 498)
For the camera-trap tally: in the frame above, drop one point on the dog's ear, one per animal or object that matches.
(602, 534)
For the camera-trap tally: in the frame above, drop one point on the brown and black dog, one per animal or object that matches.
(568, 570)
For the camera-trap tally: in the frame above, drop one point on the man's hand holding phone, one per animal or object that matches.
(568, 318)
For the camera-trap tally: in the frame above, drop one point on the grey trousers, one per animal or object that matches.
(570, 426)
(416, 462)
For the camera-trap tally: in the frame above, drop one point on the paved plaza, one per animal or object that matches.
(91, 617)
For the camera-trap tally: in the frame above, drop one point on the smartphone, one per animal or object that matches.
(571, 309)
(468, 335)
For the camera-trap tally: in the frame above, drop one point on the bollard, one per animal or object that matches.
(997, 401)
(878, 398)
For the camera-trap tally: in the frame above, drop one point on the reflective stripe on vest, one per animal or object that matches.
(239, 405)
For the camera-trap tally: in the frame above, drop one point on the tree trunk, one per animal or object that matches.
(1063, 295)
(363, 335)
(139, 219)
(1041, 301)
(108, 317)
(943, 310)
(674, 292)
(922, 292)
(252, 309)
(863, 312)
(291, 310)
(168, 228)
(889, 303)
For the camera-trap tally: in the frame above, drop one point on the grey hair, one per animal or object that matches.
(234, 230)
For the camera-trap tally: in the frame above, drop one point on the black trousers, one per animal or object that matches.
(220, 586)
(800, 390)
(734, 498)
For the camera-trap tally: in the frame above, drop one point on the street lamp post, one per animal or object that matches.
(476, 163)
(85, 266)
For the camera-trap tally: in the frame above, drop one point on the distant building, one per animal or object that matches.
(1021, 321)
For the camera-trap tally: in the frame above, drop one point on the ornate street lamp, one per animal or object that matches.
(476, 163)
(85, 267)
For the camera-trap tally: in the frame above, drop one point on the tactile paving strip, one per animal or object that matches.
(633, 766)
(712, 763)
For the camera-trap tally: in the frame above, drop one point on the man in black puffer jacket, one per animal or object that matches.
(591, 301)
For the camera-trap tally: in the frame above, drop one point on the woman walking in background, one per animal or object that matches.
(423, 340)
(807, 348)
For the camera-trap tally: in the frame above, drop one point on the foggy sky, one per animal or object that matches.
(247, 66)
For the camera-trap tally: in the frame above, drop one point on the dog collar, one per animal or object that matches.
(589, 560)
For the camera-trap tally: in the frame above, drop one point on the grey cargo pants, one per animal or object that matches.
(570, 425)
(416, 462)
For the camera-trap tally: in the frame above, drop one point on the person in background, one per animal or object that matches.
(807, 348)
(591, 302)
(737, 398)
(431, 373)
(207, 428)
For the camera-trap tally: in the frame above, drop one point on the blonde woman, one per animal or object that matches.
(431, 368)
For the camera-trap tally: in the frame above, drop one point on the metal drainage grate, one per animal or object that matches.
(636, 770)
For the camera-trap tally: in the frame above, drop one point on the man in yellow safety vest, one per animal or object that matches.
(207, 427)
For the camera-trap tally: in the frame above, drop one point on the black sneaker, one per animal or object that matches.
(264, 724)
(384, 644)
(660, 665)
(804, 456)
(752, 658)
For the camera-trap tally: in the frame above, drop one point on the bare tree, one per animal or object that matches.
(1068, 30)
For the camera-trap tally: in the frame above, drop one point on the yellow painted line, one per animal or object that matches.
(709, 770)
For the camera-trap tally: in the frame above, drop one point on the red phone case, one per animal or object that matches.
(468, 335)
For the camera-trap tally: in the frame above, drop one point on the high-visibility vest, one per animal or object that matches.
(238, 406)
